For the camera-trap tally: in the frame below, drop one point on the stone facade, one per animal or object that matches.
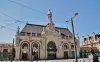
(45, 41)
(5, 50)
(5, 47)
(93, 41)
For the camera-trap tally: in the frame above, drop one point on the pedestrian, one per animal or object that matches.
(90, 57)
(95, 57)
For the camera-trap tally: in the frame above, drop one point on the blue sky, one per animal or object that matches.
(86, 22)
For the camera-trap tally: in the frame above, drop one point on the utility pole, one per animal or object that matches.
(12, 51)
(71, 20)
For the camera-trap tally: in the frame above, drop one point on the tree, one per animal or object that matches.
(91, 43)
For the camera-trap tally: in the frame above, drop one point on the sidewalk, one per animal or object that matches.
(65, 60)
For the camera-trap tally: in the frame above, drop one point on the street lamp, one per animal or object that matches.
(71, 20)
(12, 55)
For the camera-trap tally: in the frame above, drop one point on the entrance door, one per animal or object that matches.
(66, 49)
(24, 56)
(73, 54)
(35, 51)
(51, 48)
(51, 55)
(66, 54)
(24, 51)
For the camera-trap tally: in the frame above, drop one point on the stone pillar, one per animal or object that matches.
(57, 52)
(42, 48)
(42, 52)
(30, 49)
(60, 51)
(17, 49)
(78, 55)
(70, 52)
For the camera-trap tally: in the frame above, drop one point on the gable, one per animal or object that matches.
(33, 28)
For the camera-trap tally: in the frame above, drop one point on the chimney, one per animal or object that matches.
(87, 37)
(93, 35)
(77, 36)
(82, 38)
(18, 31)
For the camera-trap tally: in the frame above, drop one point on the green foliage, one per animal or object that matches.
(4, 55)
(91, 43)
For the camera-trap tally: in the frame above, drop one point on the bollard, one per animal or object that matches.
(89, 60)
(80, 60)
(83, 60)
(73, 60)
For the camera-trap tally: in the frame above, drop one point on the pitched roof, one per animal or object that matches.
(34, 28)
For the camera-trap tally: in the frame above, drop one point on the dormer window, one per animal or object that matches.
(38, 35)
(28, 34)
(72, 46)
(70, 37)
(63, 35)
(90, 38)
(22, 33)
(33, 34)
(66, 37)
(84, 39)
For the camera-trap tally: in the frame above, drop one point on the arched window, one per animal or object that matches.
(35, 45)
(24, 46)
(66, 46)
(62, 35)
(51, 45)
(35, 49)
(51, 48)
(72, 46)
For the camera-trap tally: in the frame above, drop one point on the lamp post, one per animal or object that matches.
(12, 55)
(71, 20)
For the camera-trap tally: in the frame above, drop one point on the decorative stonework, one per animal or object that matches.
(47, 33)
(5, 45)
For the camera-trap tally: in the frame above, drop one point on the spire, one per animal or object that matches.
(18, 31)
(27, 22)
(77, 36)
(43, 32)
(50, 17)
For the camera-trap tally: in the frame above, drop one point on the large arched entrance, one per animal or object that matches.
(35, 51)
(51, 50)
(24, 51)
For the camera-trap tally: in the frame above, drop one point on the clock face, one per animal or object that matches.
(51, 30)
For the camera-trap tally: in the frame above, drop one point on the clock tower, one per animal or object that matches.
(50, 25)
